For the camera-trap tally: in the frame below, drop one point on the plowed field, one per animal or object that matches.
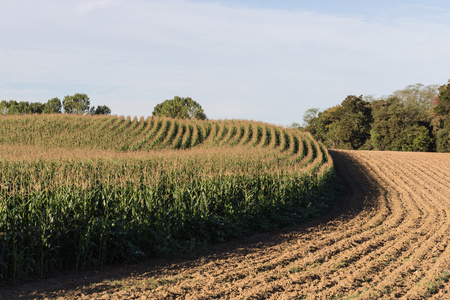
(387, 238)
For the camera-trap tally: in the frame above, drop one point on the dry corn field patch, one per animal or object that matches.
(82, 192)
(387, 238)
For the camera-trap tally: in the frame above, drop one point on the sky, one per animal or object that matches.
(262, 60)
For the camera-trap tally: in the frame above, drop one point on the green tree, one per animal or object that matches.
(418, 100)
(395, 128)
(53, 106)
(442, 107)
(23, 107)
(76, 104)
(296, 125)
(36, 107)
(416, 138)
(443, 139)
(356, 120)
(100, 110)
(3, 107)
(442, 119)
(19, 108)
(180, 108)
(403, 121)
(346, 126)
(309, 119)
(322, 124)
(13, 108)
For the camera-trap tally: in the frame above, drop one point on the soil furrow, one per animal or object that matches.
(387, 238)
(433, 215)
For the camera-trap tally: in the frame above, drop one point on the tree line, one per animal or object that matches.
(416, 118)
(71, 104)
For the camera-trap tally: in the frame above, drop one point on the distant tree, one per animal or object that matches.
(416, 138)
(76, 104)
(100, 110)
(395, 127)
(23, 107)
(442, 119)
(36, 107)
(53, 106)
(324, 124)
(3, 107)
(356, 120)
(418, 100)
(403, 121)
(19, 108)
(181, 108)
(369, 98)
(346, 126)
(296, 126)
(309, 119)
(443, 139)
(13, 108)
(442, 107)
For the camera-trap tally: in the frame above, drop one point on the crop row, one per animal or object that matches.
(61, 210)
(126, 134)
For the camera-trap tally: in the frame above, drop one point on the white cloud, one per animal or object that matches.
(263, 64)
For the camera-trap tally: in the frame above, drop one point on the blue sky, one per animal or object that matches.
(259, 60)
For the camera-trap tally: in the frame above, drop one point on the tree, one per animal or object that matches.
(100, 110)
(309, 119)
(443, 139)
(396, 128)
(403, 121)
(346, 126)
(416, 138)
(442, 119)
(356, 120)
(180, 108)
(36, 107)
(323, 129)
(442, 108)
(418, 100)
(53, 106)
(3, 108)
(76, 104)
(296, 125)
(13, 108)
(23, 107)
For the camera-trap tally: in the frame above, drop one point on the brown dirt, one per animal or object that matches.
(387, 238)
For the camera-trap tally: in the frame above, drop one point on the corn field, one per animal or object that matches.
(85, 191)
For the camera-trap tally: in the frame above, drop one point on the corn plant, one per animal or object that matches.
(68, 200)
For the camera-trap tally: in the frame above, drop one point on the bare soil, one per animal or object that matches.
(387, 238)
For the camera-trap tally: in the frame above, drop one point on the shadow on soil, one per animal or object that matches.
(361, 193)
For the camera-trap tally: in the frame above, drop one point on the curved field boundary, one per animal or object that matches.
(234, 178)
(124, 134)
(388, 238)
